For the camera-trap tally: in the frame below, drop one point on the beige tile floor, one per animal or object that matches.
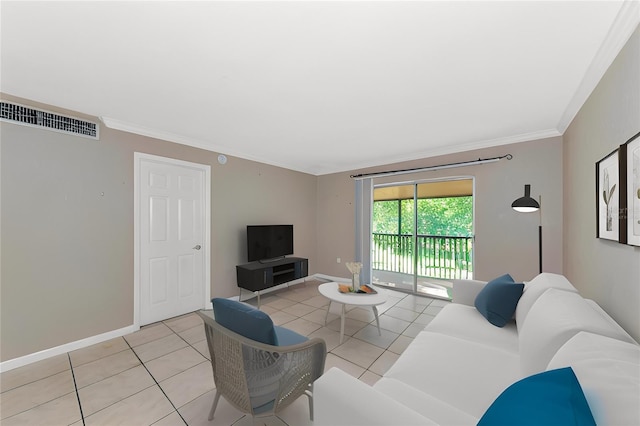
(161, 375)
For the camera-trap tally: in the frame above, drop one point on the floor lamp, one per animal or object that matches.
(527, 204)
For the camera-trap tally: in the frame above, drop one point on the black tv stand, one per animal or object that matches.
(258, 276)
(275, 259)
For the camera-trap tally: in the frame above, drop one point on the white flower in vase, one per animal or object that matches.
(354, 268)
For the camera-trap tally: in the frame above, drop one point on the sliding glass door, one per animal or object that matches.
(422, 235)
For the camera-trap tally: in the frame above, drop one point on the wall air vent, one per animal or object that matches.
(19, 114)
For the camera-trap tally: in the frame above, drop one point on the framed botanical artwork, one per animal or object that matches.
(608, 197)
(632, 151)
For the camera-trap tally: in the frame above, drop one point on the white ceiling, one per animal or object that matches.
(318, 87)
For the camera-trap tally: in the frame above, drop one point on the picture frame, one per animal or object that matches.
(631, 150)
(608, 197)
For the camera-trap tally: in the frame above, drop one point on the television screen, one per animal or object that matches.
(265, 242)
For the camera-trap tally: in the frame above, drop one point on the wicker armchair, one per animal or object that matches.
(257, 378)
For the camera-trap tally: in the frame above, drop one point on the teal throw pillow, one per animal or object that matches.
(498, 299)
(551, 398)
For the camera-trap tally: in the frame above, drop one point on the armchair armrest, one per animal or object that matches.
(465, 291)
(340, 399)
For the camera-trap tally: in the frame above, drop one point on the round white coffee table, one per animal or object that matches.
(331, 292)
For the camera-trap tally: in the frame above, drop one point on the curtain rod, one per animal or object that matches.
(431, 168)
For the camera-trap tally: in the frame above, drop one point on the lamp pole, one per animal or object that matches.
(540, 234)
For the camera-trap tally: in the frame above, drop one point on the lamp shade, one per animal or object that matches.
(525, 204)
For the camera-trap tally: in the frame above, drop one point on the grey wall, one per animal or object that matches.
(506, 241)
(67, 251)
(603, 270)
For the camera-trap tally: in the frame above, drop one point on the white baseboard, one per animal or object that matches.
(67, 347)
(332, 278)
(83, 343)
(247, 295)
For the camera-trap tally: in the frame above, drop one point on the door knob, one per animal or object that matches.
(197, 247)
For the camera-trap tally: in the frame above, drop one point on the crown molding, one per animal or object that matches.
(124, 126)
(455, 149)
(445, 150)
(623, 27)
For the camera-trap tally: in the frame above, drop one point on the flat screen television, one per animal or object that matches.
(269, 242)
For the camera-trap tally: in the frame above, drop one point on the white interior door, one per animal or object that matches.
(173, 212)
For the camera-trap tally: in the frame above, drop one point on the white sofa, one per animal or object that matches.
(460, 363)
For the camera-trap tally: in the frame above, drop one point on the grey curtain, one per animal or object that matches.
(363, 203)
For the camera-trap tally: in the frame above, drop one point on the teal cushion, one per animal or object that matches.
(498, 299)
(286, 337)
(553, 397)
(252, 323)
(245, 320)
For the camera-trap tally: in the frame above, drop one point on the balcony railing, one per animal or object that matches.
(437, 256)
